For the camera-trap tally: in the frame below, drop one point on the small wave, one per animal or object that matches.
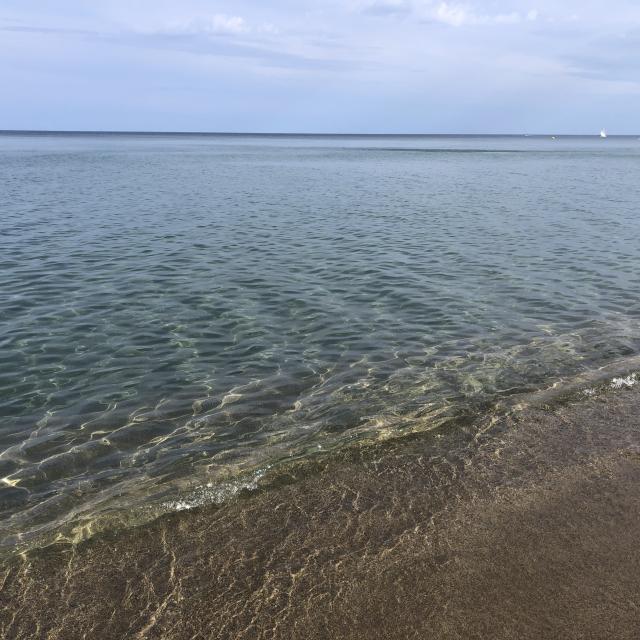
(216, 493)
(627, 381)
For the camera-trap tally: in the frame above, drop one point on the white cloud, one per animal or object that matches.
(385, 7)
(217, 24)
(451, 14)
(459, 15)
(221, 23)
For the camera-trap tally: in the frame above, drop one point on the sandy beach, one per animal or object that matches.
(529, 532)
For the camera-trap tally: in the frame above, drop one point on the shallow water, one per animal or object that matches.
(531, 532)
(180, 311)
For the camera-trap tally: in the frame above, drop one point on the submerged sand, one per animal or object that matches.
(529, 530)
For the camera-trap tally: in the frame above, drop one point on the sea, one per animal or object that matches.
(181, 314)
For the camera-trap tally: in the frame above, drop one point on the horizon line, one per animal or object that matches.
(291, 133)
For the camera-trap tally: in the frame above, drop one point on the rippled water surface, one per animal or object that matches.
(178, 312)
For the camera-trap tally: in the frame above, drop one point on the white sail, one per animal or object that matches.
(603, 133)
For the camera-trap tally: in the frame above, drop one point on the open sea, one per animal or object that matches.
(181, 313)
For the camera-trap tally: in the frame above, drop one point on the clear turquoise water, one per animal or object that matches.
(177, 312)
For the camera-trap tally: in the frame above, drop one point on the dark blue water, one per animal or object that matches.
(177, 313)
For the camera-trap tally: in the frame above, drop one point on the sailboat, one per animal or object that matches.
(603, 133)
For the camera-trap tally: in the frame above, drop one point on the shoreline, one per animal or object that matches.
(531, 533)
(443, 435)
(446, 434)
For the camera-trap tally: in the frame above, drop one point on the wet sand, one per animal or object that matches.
(530, 531)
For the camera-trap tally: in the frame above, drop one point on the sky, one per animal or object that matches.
(343, 66)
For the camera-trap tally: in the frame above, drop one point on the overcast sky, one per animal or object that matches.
(415, 66)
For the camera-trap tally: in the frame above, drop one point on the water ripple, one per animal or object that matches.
(175, 312)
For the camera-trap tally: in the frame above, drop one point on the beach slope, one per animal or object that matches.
(529, 531)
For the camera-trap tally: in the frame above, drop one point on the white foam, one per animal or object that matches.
(628, 381)
(216, 493)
